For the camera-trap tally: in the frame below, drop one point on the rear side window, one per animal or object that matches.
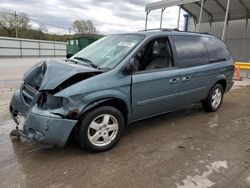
(217, 50)
(191, 51)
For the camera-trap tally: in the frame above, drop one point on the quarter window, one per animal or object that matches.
(191, 51)
(217, 50)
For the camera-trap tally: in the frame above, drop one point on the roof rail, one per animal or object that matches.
(170, 29)
(196, 32)
(161, 29)
(174, 29)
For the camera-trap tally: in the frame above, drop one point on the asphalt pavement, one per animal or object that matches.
(187, 148)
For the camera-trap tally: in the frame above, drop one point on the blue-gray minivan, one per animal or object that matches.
(118, 80)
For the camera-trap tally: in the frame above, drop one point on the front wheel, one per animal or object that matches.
(101, 129)
(214, 99)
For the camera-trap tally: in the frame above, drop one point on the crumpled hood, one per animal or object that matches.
(49, 74)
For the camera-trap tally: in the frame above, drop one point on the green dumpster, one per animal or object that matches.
(75, 44)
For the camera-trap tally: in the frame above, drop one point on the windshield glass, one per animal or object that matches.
(108, 51)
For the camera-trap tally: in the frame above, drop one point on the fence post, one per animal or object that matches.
(54, 49)
(39, 48)
(21, 48)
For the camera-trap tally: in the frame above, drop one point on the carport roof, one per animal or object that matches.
(215, 10)
(206, 11)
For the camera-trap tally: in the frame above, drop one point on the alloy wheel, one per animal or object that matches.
(102, 130)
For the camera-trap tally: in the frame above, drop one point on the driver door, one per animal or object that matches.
(155, 90)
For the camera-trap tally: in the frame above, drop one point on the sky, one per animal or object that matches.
(109, 16)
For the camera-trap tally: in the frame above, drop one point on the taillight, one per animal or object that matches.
(234, 67)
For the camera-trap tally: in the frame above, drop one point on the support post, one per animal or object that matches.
(244, 41)
(195, 24)
(179, 15)
(146, 22)
(201, 11)
(225, 21)
(210, 27)
(162, 10)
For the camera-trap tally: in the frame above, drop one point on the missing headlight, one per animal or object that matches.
(48, 101)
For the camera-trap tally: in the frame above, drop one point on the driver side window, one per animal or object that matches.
(156, 54)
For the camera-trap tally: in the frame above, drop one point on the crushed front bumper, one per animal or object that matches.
(48, 131)
(40, 126)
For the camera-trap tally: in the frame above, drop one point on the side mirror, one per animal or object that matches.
(69, 55)
(130, 67)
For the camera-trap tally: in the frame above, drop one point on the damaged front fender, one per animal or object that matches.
(82, 102)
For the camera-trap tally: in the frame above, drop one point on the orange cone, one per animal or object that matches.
(237, 73)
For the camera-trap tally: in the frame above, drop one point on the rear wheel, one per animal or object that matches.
(101, 129)
(214, 99)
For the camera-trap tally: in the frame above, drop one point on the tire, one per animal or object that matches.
(216, 93)
(101, 129)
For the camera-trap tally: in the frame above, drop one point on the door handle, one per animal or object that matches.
(185, 79)
(174, 80)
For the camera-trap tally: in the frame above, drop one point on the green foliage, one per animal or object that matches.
(39, 35)
(84, 27)
(9, 21)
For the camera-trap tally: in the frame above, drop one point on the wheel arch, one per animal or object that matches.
(220, 79)
(117, 103)
(222, 82)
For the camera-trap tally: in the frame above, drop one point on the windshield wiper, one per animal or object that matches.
(72, 60)
(89, 62)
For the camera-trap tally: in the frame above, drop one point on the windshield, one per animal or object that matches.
(108, 51)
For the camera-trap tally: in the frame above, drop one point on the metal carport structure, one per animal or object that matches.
(208, 11)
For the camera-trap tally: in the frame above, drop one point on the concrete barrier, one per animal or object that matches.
(17, 47)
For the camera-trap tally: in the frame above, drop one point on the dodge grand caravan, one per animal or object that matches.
(117, 80)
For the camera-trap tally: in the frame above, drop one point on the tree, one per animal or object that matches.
(11, 22)
(42, 27)
(84, 27)
(42, 30)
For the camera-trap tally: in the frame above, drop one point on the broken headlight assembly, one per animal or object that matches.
(48, 101)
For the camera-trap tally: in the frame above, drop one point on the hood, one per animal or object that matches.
(56, 74)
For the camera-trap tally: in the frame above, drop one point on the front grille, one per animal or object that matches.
(28, 93)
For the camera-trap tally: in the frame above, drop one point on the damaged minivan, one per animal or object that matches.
(117, 80)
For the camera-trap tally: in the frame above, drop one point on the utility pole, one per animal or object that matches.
(16, 24)
(70, 30)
